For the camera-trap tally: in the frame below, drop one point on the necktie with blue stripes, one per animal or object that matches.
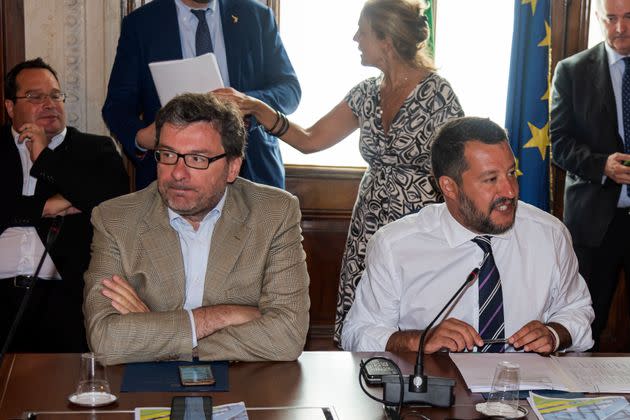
(491, 321)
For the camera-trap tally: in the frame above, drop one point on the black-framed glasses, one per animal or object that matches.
(39, 98)
(192, 160)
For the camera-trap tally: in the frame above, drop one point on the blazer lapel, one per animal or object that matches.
(11, 163)
(161, 247)
(168, 45)
(603, 95)
(232, 27)
(228, 239)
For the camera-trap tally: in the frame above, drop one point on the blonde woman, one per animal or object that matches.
(397, 112)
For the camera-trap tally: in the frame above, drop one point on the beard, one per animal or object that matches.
(481, 222)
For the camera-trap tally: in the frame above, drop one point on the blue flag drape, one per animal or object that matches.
(527, 113)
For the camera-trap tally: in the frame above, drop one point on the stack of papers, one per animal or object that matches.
(609, 408)
(575, 374)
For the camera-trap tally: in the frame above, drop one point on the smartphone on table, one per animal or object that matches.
(191, 375)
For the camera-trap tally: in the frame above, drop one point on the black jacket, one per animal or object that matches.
(86, 170)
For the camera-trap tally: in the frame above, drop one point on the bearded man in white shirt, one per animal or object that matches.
(528, 294)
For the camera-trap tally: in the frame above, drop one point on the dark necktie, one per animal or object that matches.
(203, 41)
(491, 321)
(625, 108)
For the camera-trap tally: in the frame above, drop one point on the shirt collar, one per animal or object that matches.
(176, 219)
(54, 142)
(184, 11)
(456, 234)
(613, 56)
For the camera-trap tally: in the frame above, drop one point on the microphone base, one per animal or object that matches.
(439, 391)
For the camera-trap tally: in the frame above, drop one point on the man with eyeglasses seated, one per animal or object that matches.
(201, 262)
(48, 170)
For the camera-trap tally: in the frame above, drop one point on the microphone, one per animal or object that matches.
(53, 233)
(422, 389)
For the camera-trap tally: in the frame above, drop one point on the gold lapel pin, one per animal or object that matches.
(234, 19)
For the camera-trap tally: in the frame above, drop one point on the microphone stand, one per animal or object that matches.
(53, 232)
(422, 389)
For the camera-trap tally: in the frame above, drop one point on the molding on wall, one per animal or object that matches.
(74, 57)
(78, 39)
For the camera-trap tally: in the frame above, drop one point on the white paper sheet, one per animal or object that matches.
(537, 372)
(596, 374)
(190, 75)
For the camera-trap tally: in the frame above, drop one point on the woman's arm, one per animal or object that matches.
(333, 127)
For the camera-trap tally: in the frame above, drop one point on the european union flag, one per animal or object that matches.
(527, 115)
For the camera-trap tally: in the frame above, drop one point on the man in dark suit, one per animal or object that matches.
(48, 170)
(587, 133)
(251, 57)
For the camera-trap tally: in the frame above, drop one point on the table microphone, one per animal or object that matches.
(424, 389)
(53, 232)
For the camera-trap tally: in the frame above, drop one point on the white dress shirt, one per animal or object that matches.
(415, 265)
(195, 246)
(21, 247)
(617, 67)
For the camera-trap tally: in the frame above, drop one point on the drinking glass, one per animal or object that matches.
(503, 398)
(93, 388)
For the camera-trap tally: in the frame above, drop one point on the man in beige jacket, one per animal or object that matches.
(201, 262)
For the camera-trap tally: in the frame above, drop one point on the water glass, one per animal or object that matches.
(503, 398)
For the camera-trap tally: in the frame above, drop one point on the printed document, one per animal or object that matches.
(570, 373)
(190, 75)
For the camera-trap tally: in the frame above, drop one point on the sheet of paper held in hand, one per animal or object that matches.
(193, 75)
(575, 374)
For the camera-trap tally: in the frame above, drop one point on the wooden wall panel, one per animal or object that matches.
(326, 196)
(11, 41)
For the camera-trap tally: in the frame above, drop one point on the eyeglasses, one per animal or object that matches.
(39, 98)
(168, 157)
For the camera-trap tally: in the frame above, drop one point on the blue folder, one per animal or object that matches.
(164, 377)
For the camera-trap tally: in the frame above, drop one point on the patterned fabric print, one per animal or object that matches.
(397, 181)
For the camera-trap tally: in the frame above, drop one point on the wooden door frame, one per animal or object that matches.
(11, 40)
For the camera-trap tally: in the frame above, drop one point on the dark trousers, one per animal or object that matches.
(52, 322)
(600, 268)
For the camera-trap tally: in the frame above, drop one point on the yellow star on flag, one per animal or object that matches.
(540, 138)
(545, 97)
(518, 170)
(546, 42)
(532, 3)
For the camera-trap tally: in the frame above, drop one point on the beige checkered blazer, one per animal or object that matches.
(256, 258)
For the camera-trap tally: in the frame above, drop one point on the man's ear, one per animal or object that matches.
(449, 187)
(8, 104)
(234, 167)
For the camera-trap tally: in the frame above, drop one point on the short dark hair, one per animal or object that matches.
(447, 153)
(10, 83)
(222, 115)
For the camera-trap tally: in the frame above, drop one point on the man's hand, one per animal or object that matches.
(124, 298)
(534, 337)
(58, 206)
(35, 139)
(146, 137)
(453, 335)
(616, 170)
(210, 319)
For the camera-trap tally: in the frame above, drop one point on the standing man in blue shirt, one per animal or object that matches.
(244, 37)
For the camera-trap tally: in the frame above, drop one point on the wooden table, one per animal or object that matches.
(42, 383)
